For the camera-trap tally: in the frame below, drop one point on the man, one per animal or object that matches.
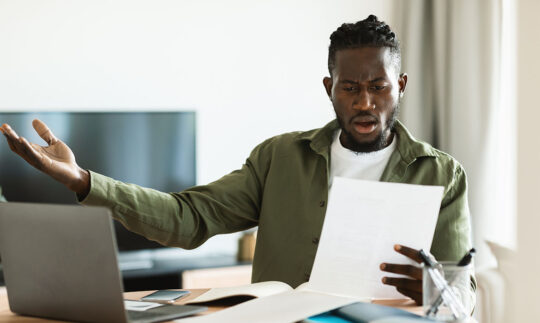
(283, 186)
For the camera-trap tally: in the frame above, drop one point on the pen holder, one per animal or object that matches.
(457, 298)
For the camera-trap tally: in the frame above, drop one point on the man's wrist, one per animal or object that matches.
(82, 185)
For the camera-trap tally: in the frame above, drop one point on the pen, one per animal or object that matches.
(465, 261)
(426, 259)
(448, 296)
(467, 258)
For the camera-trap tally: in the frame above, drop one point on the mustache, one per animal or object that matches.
(365, 115)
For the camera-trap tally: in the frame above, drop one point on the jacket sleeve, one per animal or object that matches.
(453, 231)
(186, 219)
(452, 237)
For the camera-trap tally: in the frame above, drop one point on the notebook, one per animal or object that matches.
(60, 262)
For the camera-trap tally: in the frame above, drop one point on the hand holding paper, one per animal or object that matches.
(411, 287)
(363, 222)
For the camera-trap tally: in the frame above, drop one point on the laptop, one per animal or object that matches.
(59, 262)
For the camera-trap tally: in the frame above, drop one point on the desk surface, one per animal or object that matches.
(7, 316)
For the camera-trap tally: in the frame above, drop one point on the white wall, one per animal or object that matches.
(526, 281)
(251, 69)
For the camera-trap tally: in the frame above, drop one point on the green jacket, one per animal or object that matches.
(283, 188)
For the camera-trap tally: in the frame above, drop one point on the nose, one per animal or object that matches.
(363, 101)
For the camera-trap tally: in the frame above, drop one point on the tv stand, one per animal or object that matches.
(163, 268)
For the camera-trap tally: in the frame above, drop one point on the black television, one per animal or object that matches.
(151, 149)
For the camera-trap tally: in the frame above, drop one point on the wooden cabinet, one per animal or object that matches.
(216, 277)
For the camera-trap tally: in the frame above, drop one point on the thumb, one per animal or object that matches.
(44, 132)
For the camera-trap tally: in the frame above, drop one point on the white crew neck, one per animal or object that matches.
(358, 165)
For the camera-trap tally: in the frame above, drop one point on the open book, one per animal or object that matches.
(284, 307)
(277, 302)
(247, 292)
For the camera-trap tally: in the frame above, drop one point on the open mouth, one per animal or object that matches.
(364, 127)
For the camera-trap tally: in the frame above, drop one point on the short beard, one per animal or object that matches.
(378, 143)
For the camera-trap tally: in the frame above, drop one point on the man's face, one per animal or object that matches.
(365, 91)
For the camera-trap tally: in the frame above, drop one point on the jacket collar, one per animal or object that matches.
(321, 139)
(409, 147)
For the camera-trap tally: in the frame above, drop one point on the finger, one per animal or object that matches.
(31, 155)
(408, 252)
(10, 142)
(9, 132)
(12, 138)
(417, 297)
(21, 146)
(24, 152)
(406, 283)
(44, 132)
(408, 270)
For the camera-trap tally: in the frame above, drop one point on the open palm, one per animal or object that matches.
(56, 159)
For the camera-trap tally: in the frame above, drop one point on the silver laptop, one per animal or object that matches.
(60, 262)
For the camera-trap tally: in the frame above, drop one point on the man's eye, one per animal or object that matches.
(350, 89)
(378, 87)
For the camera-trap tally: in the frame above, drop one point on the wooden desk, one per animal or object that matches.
(7, 316)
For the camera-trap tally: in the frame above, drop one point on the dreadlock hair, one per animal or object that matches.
(369, 32)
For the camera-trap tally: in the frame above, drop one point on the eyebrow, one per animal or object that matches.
(378, 79)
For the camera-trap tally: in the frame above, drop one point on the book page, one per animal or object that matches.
(284, 307)
(363, 221)
(256, 290)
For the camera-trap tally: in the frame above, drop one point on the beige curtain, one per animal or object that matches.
(454, 54)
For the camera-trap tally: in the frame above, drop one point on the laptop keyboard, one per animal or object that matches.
(141, 316)
(164, 313)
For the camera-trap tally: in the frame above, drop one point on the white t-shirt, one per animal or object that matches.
(367, 166)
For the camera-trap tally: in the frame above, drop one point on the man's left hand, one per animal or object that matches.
(410, 286)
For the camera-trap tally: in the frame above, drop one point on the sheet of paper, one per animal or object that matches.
(363, 221)
(139, 306)
(287, 307)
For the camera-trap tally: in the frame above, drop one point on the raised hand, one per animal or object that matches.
(56, 159)
(410, 286)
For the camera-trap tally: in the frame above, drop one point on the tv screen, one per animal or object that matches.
(150, 149)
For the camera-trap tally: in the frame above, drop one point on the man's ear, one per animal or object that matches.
(327, 81)
(402, 81)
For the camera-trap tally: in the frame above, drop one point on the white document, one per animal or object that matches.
(363, 222)
(286, 307)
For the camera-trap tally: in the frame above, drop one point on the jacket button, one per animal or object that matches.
(315, 240)
(322, 203)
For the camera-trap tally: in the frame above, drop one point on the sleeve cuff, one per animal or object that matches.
(99, 188)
